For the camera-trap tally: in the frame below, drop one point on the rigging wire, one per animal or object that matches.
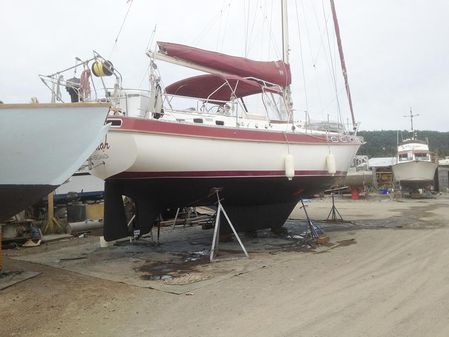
(271, 37)
(314, 58)
(210, 24)
(330, 102)
(251, 31)
(219, 33)
(332, 65)
(321, 43)
(270, 26)
(225, 24)
(151, 39)
(302, 58)
(121, 27)
(222, 24)
(246, 11)
(149, 43)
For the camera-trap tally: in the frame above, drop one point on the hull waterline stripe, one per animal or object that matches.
(221, 174)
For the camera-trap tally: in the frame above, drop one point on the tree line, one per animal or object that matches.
(384, 143)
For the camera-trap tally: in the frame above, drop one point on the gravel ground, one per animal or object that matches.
(384, 274)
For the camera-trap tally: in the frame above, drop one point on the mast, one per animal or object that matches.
(411, 115)
(285, 51)
(342, 61)
(284, 19)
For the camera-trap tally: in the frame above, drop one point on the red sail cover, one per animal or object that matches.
(216, 87)
(276, 72)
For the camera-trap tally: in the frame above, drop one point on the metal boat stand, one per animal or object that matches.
(315, 230)
(187, 220)
(215, 239)
(175, 219)
(332, 216)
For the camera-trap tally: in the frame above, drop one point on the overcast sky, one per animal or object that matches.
(397, 51)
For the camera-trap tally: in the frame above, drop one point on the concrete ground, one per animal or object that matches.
(384, 274)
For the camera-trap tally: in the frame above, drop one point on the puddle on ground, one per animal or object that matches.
(187, 267)
(290, 247)
(181, 265)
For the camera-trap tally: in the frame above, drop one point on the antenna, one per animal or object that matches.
(397, 138)
(411, 115)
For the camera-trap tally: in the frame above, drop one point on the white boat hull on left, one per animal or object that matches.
(42, 145)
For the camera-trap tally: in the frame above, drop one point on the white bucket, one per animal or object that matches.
(103, 242)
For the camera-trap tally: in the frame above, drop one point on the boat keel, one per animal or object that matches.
(116, 223)
(15, 198)
(251, 203)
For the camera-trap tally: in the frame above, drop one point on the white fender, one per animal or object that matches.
(289, 166)
(330, 163)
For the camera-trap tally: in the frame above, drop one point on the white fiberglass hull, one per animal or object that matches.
(42, 145)
(164, 165)
(133, 154)
(85, 185)
(414, 174)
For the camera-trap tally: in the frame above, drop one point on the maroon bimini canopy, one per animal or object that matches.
(276, 72)
(217, 87)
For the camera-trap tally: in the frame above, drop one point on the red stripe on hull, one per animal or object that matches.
(219, 174)
(180, 129)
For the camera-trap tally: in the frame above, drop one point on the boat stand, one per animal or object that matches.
(332, 216)
(187, 220)
(314, 230)
(215, 239)
(52, 225)
(175, 219)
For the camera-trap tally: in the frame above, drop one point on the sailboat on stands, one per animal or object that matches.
(414, 168)
(260, 160)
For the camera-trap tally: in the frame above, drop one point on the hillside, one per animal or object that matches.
(383, 143)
